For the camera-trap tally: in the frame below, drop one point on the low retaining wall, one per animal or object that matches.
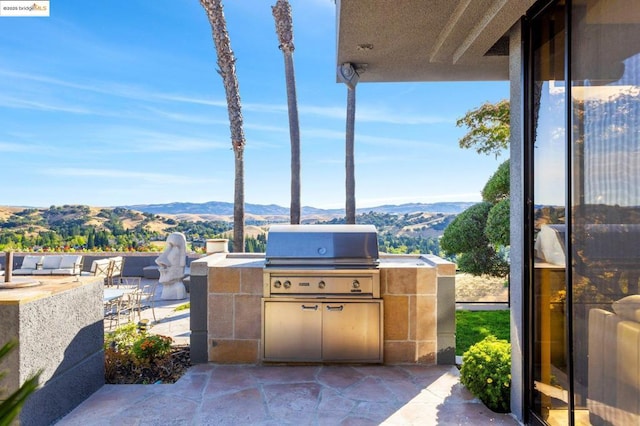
(134, 262)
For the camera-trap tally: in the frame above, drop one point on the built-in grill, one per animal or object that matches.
(321, 298)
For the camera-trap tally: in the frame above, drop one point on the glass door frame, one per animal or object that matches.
(537, 11)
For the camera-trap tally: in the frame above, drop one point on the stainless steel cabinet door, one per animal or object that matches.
(292, 331)
(351, 331)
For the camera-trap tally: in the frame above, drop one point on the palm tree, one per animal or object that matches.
(349, 76)
(350, 200)
(227, 69)
(284, 30)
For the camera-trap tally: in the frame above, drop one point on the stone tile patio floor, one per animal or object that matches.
(214, 394)
(292, 395)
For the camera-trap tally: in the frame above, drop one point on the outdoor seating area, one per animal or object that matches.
(126, 293)
(125, 300)
(64, 264)
(110, 268)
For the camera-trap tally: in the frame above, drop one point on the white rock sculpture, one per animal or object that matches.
(171, 264)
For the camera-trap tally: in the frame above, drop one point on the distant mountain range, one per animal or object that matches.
(226, 209)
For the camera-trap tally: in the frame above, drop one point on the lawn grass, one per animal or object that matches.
(183, 307)
(473, 326)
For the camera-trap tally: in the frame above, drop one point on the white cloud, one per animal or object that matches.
(363, 113)
(266, 127)
(15, 147)
(383, 115)
(159, 178)
(396, 142)
(10, 102)
(186, 118)
(372, 140)
(109, 88)
(189, 99)
(370, 115)
(246, 106)
(125, 139)
(373, 202)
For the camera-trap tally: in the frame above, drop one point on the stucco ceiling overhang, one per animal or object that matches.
(427, 40)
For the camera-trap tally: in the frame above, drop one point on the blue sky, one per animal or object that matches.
(119, 102)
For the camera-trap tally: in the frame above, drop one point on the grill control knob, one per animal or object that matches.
(287, 284)
(321, 284)
(277, 284)
(355, 284)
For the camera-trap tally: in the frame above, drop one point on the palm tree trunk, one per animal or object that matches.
(238, 203)
(284, 30)
(227, 69)
(350, 208)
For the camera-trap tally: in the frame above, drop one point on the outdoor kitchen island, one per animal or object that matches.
(416, 299)
(57, 323)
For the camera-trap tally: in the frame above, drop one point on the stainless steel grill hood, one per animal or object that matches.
(322, 245)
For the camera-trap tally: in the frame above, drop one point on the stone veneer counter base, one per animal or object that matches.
(419, 308)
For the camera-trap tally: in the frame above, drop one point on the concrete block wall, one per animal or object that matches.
(61, 334)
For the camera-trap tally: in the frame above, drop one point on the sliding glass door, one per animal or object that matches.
(549, 156)
(583, 110)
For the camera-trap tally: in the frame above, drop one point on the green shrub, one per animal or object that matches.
(133, 356)
(151, 347)
(11, 405)
(486, 372)
(123, 337)
(116, 361)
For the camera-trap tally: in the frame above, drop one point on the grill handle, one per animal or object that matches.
(335, 308)
(309, 308)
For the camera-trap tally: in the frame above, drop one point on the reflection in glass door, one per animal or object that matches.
(550, 379)
(583, 90)
(605, 210)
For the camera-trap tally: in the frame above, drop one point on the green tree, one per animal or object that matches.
(497, 226)
(496, 191)
(488, 128)
(497, 187)
(91, 240)
(465, 237)
(476, 236)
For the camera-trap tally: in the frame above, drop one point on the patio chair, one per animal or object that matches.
(147, 296)
(113, 309)
(99, 268)
(129, 283)
(114, 272)
(134, 304)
